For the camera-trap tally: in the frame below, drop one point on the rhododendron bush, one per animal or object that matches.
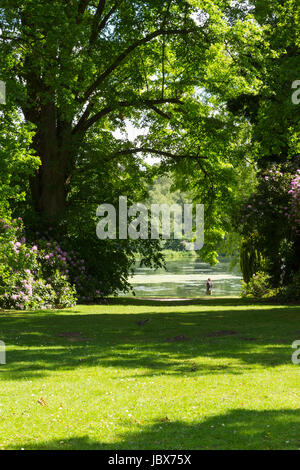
(269, 222)
(30, 277)
(295, 203)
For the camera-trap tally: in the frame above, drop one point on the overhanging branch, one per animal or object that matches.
(162, 153)
(82, 6)
(105, 20)
(85, 122)
(128, 51)
(96, 20)
(160, 112)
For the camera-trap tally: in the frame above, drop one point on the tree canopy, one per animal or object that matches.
(209, 82)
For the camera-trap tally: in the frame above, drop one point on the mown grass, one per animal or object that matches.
(229, 384)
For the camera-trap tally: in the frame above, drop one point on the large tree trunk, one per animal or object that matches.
(48, 190)
(52, 144)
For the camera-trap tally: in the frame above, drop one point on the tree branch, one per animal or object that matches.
(108, 16)
(160, 112)
(84, 123)
(157, 152)
(125, 54)
(82, 6)
(97, 17)
(163, 48)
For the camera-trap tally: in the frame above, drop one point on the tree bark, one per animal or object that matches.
(52, 144)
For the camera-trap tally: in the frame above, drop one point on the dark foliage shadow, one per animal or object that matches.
(206, 301)
(236, 429)
(259, 336)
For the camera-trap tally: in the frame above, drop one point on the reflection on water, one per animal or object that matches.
(186, 278)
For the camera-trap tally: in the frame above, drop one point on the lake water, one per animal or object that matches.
(185, 277)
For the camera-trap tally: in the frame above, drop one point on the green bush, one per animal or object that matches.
(258, 286)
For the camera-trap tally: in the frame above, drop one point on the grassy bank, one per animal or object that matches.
(201, 374)
(172, 254)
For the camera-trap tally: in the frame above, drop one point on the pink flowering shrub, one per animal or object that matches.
(275, 201)
(23, 284)
(271, 217)
(295, 201)
(53, 258)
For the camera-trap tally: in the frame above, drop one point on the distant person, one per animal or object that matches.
(209, 286)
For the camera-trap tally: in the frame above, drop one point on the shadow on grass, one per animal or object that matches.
(257, 336)
(203, 301)
(236, 429)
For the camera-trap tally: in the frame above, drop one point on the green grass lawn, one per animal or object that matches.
(227, 382)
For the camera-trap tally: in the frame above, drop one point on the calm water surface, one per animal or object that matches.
(186, 278)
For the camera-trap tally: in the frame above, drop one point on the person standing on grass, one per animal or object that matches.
(209, 286)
